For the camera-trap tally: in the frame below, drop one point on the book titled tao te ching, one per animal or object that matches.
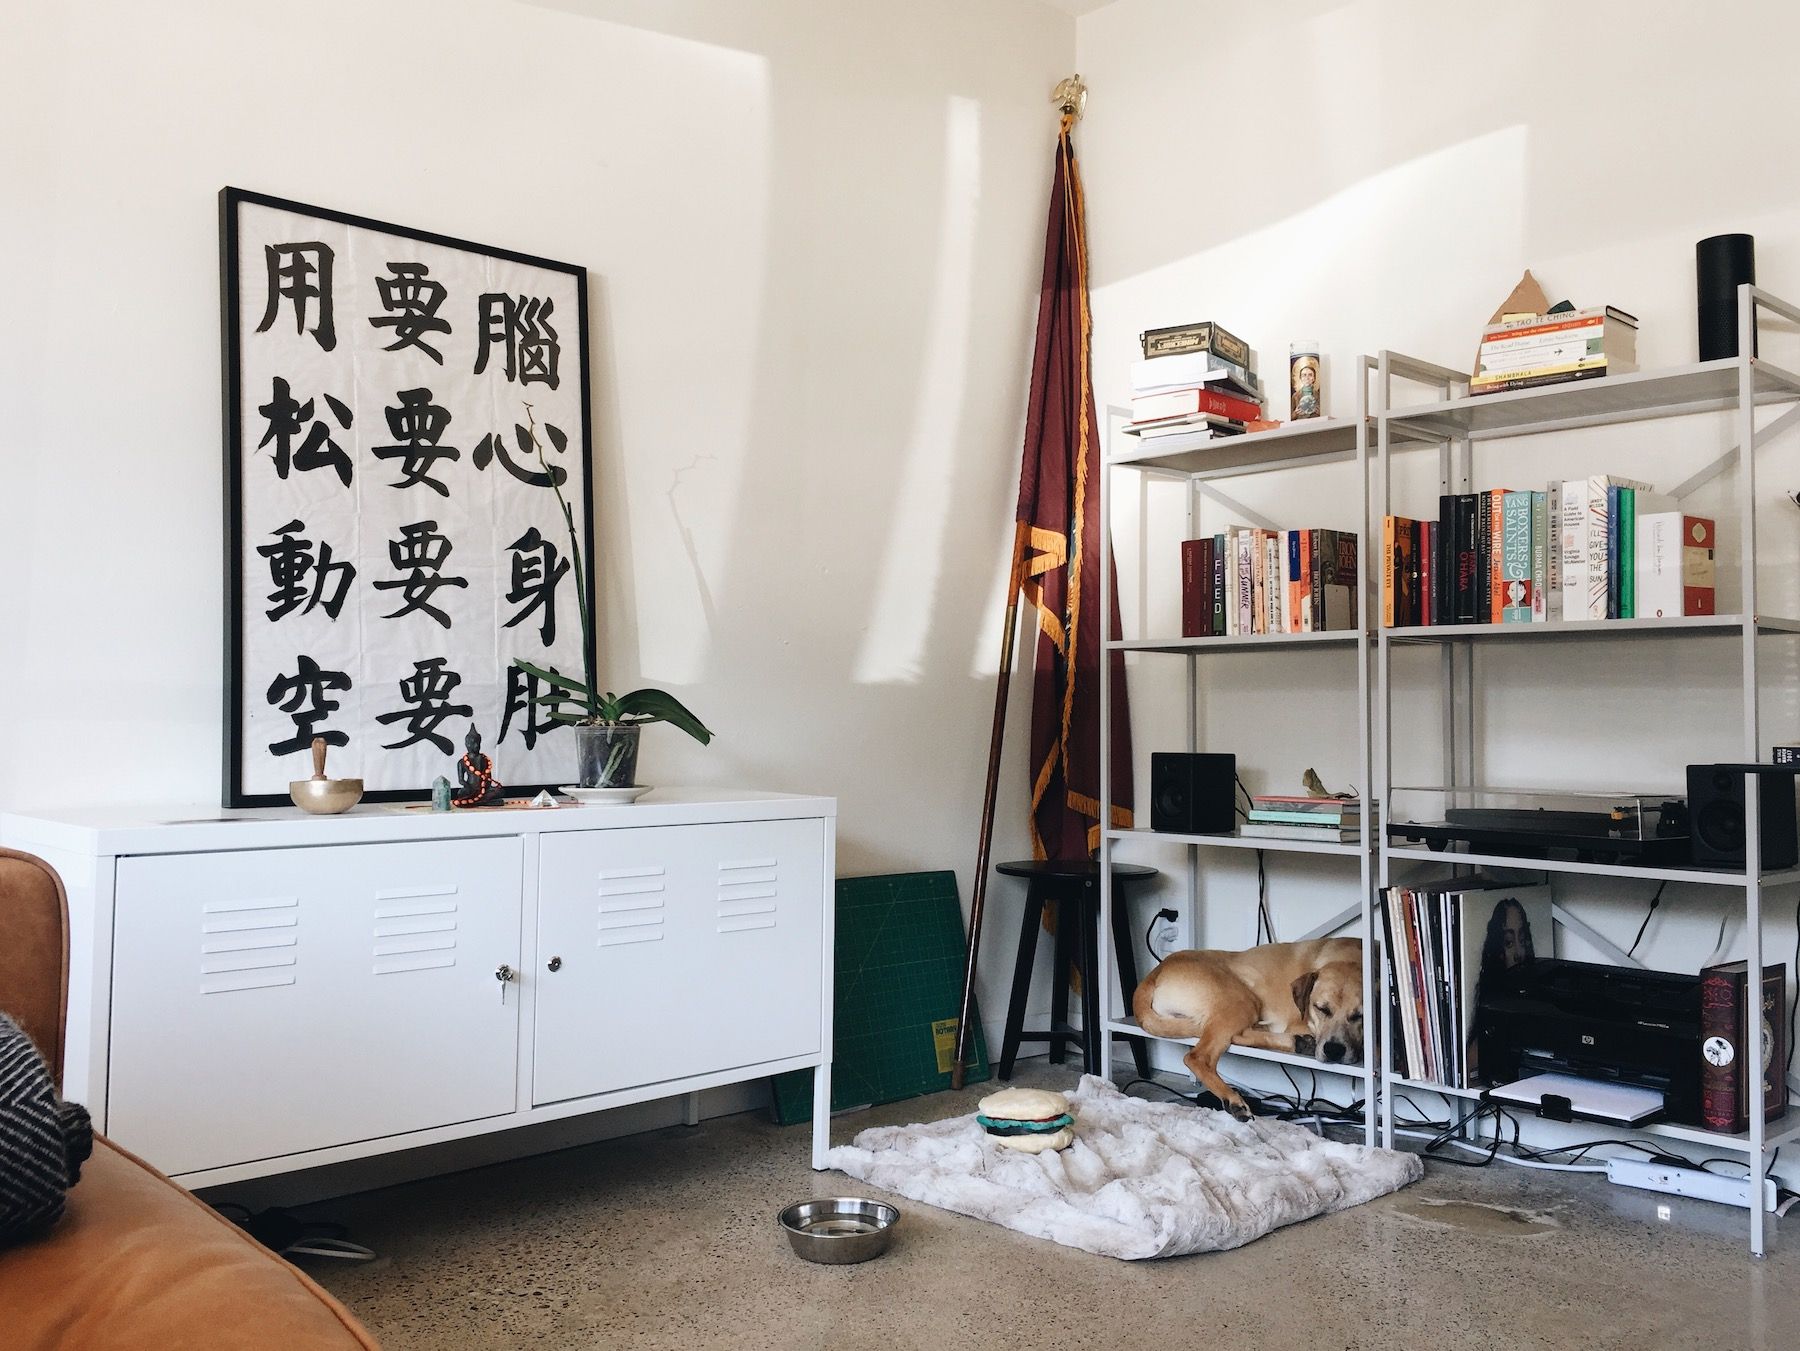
(1724, 1033)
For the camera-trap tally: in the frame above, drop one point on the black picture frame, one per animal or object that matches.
(231, 199)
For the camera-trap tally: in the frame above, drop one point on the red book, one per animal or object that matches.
(1495, 503)
(1724, 1042)
(1428, 578)
(1189, 402)
(1698, 587)
(1196, 588)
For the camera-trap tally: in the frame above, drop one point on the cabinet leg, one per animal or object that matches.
(690, 1109)
(1087, 915)
(821, 1115)
(1061, 971)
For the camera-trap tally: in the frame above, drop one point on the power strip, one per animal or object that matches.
(1696, 1182)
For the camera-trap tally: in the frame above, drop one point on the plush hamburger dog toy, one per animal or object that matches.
(1031, 1120)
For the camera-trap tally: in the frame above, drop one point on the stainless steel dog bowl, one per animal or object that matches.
(839, 1230)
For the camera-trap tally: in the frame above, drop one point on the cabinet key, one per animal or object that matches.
(504, 973)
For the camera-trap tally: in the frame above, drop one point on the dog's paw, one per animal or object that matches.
(1240, 1109)
(1306, 1044)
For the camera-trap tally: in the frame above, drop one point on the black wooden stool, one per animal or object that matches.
(1073, 887)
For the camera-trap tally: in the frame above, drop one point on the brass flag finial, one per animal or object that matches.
(1070, 96)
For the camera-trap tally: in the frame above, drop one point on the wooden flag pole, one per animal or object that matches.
(985, 849)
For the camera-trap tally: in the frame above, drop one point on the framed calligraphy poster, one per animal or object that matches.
(405, 414)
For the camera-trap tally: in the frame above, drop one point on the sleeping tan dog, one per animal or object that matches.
(1303, 998)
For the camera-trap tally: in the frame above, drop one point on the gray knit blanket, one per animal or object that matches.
(43, 1140)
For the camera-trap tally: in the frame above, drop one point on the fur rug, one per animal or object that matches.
(1143, 1179)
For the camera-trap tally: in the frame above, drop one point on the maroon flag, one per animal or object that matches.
(1059, 520)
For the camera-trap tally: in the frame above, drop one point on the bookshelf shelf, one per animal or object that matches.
(1781, 1133)
(1702, 387)
(1703, 877)
(1351, 850)
(1730, 626)
(1128, 1027)
(1200, 455)
(1455, 423)
(1235, 642)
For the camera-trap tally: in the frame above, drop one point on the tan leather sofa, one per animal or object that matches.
(136, 1261)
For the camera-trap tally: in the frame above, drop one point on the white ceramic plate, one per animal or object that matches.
(597, 796)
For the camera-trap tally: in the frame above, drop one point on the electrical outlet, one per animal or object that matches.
(1165, 937)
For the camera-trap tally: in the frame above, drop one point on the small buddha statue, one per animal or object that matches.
(476, 785)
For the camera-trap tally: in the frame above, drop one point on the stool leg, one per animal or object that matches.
(1091, 1030)
(1126, 956)
(1021, 986)
(1061, 969)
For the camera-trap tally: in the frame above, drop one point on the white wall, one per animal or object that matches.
(1377, 174)
(812, 234)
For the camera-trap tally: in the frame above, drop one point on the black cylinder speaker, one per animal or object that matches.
(1722, 264)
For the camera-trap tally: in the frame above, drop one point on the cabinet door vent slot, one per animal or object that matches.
(415, 937)
(415, 893)
(631, 906)
(747, 895)
(248, 944)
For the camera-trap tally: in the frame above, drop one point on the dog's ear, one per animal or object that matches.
(1303, 989)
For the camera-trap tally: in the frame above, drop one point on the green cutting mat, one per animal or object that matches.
(899, 972)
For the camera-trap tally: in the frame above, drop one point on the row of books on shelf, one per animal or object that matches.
(1330, 820)
(1439, 941)
(1602, 547)
(1194, 378)
(1249, 581)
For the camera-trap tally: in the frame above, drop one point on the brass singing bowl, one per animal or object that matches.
(325, 797)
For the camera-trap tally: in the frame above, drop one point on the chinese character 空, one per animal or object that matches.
(494, 445)
(536, 570)
(287, 418)
(523, 691)
(301, 275)
(302, 697)
(414, 299)
(298, 575)
(417, 423)
(521, 326)
(426, 692)
(420, 553)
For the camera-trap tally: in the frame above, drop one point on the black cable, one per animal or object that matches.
(1654, 902)
(1263, 922)
(1157, 918)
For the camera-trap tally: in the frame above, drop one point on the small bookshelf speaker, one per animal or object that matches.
(1716, 817)
(1193, 793)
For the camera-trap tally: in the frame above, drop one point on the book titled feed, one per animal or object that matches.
(1677, 571)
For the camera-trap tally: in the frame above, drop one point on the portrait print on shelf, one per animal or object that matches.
(393, 541)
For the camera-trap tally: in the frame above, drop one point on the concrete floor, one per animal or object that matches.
(669, 1240)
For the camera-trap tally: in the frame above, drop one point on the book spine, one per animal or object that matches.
(1613, 512)
(1445, 571)
(1395, 1050)
(1295, 562)
(1496, 524)
(1427, 570)
(1597, 529)
(1218, 585)
(1306, 580)
(1553, 550)
(1774, 1007)
(1628, 553)
(1573, 519)
(1421, 999)
(1321, 548)
(1722, 1046)
(1192, 559)
(1274, 590)
(1483, 560)
(1349, 577)
(1515, 559)
(1540, 557)
(1699, 566)
(1390, 547)
(1246, 582)
(1467, 559)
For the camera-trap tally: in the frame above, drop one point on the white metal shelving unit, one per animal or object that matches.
(1454, 423)
(1197, 460)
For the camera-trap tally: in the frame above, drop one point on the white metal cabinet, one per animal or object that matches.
(665, 952)
(268, 1002)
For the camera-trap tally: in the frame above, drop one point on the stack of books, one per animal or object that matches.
(1602, 547)
(1440, 941)
(1334, 820)
(1194, 377)
(1549, 349)
(1249, 581)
